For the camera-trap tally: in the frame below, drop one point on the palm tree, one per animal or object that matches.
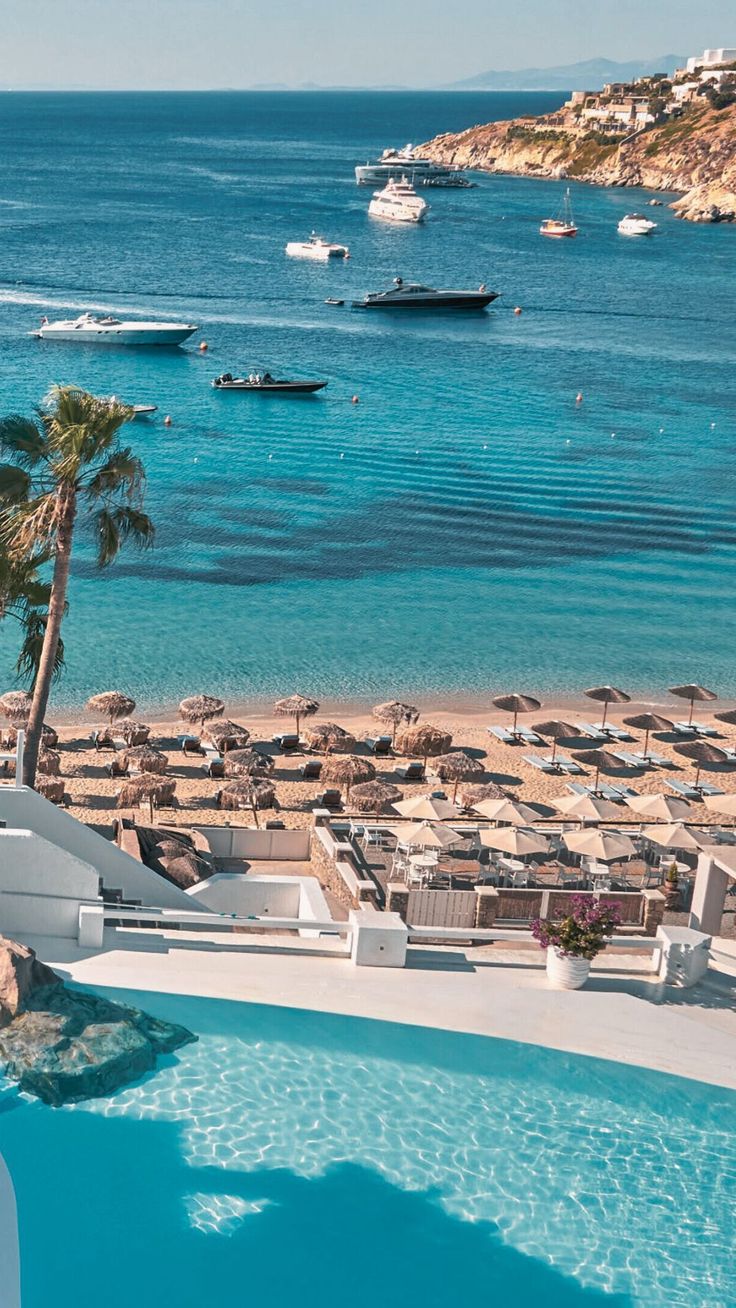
(67, 467)
(25, 597)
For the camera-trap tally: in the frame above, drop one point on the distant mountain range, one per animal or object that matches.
(589, 75)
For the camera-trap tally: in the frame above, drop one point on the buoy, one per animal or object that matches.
(342, 456)
(517, 311)
(579, 397)
(712, 426)
(485, 447)
(356, 399)
(613, 435)
(661, 430)
(567, 442)
(167, 420)
(203, 346)
(270, 457)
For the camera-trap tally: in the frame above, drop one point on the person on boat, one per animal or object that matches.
(266, 378)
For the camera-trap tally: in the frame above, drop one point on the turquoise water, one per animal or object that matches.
(466, 526)
(291, 1157)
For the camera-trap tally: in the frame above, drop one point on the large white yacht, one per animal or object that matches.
(112, 331)
(635, 224)
(317, 248)
(398, 202)
(399, 163)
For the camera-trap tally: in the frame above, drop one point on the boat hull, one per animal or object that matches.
(478, 300)
(174, 335)
(323, 255)
(405, 219)
(272, 388)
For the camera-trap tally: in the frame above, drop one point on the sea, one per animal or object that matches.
(467, 526)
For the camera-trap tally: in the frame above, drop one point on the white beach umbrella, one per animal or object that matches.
(507, 810)
(605, 846)
(587, 808)
(424, 835)
(666, 807)
(721, 804)
(427, 808)
(518, 841)
(675, 836)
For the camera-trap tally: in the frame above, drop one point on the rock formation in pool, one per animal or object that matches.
(65, 1045)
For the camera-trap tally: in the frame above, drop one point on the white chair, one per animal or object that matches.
(520, 880)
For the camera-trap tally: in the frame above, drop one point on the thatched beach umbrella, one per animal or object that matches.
(347, 770)
(146, 759)
(606, 695)
(16, 705)
(728, 716)
(111, 704)
(425, 835)
(248, 792)
(666, 807)
(396, 713)
(471, 795)
(150, 786)
(427, 808)
(328, 736)
(517, 704)
(647, 722)
(557, 729)
(49, 737)
(374, 796)
(225, 735)
(517, 841)
(198, 708)
(675, 836)
(600, 758)
(507, 811)
(423, 740)
(49, 762)
(606, 846)
(296, 707)
(702, 753)
(693, 692)
(246, 763)
(587, 808)
(52, 788)
(133, 733)
(457, 766)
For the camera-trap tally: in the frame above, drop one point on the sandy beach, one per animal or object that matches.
(91, 793)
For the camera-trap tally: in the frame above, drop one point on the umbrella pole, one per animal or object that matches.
(255, 814)
(605, 710)
(646, 742)
(454, 793)
(513, 729)
(697, 776)
(692, 707)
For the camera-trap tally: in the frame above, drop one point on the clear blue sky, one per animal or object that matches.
(239, 43)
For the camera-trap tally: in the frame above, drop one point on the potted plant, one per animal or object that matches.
(672, 884)
(573, 941)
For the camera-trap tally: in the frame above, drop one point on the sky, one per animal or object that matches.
(203, 44)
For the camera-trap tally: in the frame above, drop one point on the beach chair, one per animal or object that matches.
(653, 760)
(631, 760)
(568, 765)
(614, 733)
(214, 767)
(589, 729)
(542, 764)
(379, 745)
(329, 799)
(116, 768)
(102, 738)
(686, 789)
(410, 772)
(694, 729)
(503, 735)
(311, 770)
(189, 744)
(287, 741)
(621, 791)
(523, 735)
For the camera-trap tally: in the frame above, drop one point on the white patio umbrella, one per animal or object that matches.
(507, 810)
(518, 841)
(675, 836)
(721, 804)
(427, 808)
(587, 808)
(666, 807)
(604, 846)
(423, 835)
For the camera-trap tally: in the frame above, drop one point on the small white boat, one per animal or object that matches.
(317, 248)
(563, 224)
(398, 202)
(112, 331)
(139, 410)
(635, 224)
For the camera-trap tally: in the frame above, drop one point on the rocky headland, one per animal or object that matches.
(66, 1045)
(694, 154)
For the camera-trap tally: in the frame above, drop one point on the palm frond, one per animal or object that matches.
(29, 526)
(23, 439)
(15, 484)
(123, 523)
(122, 471)
(34, 625)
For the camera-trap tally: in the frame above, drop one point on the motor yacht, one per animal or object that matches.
(399, 163)
(398, 202)
(410, 295)
(635, 224)
(112, 331)
(263, 383)
(563, 224)
(317, 248)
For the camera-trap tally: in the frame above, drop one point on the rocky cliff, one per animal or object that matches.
(694, 154)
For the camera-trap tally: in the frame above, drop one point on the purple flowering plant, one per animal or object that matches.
(582, 932)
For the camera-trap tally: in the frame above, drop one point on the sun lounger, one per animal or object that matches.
(694, 729)
(523, 735)
(116, 769)
(310, 771)
(615, 733)
(652, 760)
(329, 799)
(410, 772)
(588, 729)
(686, 789)
(503, 735)
(631, 760)
(379, 744)
(542, 764)
(189, 744)
(604, 791)
(568, 765)
(286, 741)
(214, 767)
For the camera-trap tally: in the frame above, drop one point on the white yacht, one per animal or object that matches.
(398, 202)
(112, 331)
(317, 248)
(399, 163)
(635, 224)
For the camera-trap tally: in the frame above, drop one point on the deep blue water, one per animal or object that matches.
(294, 1157)
(466, 527)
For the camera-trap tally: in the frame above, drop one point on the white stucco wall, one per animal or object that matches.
(9, 1258)
(247, 895)
(256, 843)
(41, 886)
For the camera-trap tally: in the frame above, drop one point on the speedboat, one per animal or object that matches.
(112, 331)
(139, 410)
(635, 224)
(563, 224)
(398, 202)
(400, 163)
(409, 295)
(264, 384)
(317, 248)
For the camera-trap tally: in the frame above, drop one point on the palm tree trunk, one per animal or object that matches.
(67, 509)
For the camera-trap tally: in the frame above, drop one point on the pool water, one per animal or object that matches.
(292, 1158)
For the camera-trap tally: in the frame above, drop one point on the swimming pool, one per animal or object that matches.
(291, 1157)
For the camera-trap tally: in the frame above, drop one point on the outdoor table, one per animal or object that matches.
(424, 862)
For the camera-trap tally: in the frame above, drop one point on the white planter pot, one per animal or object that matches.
(566, 973)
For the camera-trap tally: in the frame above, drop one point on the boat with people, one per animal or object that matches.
(636, 224)
(399, 163)
(564, 223)
(107, 330)
(398, 202)
(412, 295)
(262, 383)
(317, 248)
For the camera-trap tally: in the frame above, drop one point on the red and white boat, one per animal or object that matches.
(563, 224)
